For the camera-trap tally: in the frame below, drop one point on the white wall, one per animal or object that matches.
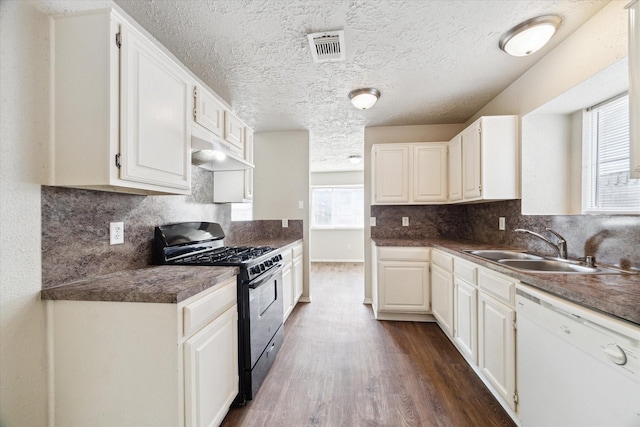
(588, 67)
(393, 134)
(24, 115)
(281, 182)
(337, 245)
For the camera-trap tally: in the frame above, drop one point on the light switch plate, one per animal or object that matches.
(300, 204)
(405, 221)
(285, 223)
(501, 223)
(372, 221)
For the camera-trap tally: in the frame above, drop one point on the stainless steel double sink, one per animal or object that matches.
(525, 261)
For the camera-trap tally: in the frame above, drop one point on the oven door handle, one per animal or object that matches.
(262, 280)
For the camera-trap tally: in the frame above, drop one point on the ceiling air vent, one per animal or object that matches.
(327, 46)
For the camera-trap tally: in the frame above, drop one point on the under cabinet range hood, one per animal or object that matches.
(210, 153)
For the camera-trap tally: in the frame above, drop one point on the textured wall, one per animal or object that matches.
(24, 112)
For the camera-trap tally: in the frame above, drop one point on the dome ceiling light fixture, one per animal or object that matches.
(355, 159)
(530, 36)
(363, 99)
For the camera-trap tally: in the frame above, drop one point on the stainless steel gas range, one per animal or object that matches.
(260, 309)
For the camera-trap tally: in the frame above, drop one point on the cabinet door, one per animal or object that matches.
(155, 104)
(211, 371)
(465, 323)
(403, 286)
(455, 169)
(471, 162)
(391, 173)
(287, 290)
(208, 111)
(496, 345)
(234, 133)
(442, 297)
(430, 173)
(297, 279)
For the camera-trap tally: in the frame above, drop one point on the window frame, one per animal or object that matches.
(589, 166)
(335, 227)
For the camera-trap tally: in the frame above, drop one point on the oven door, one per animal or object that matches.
(265, 310)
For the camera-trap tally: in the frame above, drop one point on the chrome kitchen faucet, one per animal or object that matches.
(560, 247)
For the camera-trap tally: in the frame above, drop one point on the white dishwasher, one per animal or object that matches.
(575, 367)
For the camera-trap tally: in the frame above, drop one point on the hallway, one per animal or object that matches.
(339, 366)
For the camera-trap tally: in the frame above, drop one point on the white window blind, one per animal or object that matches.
(607, 186)
(337, 207)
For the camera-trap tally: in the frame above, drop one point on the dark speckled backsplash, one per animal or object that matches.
(75, 227)
(613, 239)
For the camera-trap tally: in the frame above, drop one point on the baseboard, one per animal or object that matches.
(304, 299)
(350, 261)
(367, 301)
(405, 317)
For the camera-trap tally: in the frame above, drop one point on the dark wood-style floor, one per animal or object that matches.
(339, 366)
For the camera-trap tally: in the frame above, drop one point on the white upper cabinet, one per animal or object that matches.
(234, 133)
(208, 111)
(484, 161)
(390, 173)
(471, 179)
(154, 124)
(413, 173)
(121, 108)
(455, 169)
(430, 173)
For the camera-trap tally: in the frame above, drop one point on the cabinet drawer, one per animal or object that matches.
(398, 253)
(202, 311)
(498, 286)
(442, 260)
(466, 271)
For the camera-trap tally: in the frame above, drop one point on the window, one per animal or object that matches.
(337, 207)
(607, 186)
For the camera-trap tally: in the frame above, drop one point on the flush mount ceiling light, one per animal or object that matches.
(355, 158)
(530, 36)
(364, 99)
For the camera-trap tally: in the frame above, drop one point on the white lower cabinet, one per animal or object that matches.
(497, 351)
(484, 320)
(292, 277)
(145, 364)
(442, 290)
(497, 333)
(287, 284)
(465, 330)
(209, 390)
(298, 277)
(402, 289)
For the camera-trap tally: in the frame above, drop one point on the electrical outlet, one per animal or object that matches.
(501, 223)
(285, 223)
(300, 204)
(405, 221)
(116, 233)
(372, 221)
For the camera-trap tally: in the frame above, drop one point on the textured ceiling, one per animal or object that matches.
(433, 61)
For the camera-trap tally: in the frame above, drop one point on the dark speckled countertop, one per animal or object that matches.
(614, 294)
(155, 284)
